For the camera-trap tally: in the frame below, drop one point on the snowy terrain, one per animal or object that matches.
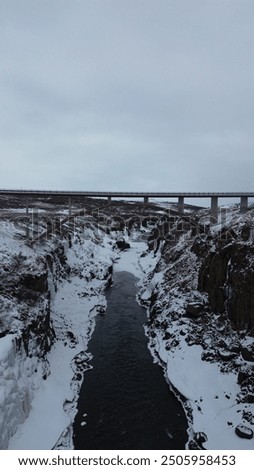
(34, 387)
(209, 391)
(72, 312)
(27, 401)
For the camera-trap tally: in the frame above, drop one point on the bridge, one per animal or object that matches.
(181, 196)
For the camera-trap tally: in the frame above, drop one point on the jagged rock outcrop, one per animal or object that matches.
(37, 282)
(227, 275)
(26, 289)
(122, 244)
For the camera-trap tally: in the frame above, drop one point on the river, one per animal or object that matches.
(125, 402)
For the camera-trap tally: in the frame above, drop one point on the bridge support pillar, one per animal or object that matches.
(27, 220)
(180, 205)
(69, 206)
(223, 216)
(109, 199)
(146, 199)
(214, 210)
(244, 203)
(35, 222)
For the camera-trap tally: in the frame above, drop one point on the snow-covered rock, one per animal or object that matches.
(244, 432)
(51, 291)
(192, 327)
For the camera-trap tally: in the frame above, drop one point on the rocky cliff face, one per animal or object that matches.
(224, 262)
(50, 292)
(199, 295)
(227, 275)
(200, 298)
(27, 284)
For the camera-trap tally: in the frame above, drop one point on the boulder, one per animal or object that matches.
(3, 333)
(248, 416)
(248, 353)
(243, 431)
(122, 244)
(101, 310)
(200, 438)
(244, 374)
(194, 309)
(249, 398)
(208, 356)
(36, 282)
(227, 355)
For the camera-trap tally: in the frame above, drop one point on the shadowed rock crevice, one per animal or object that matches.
(227, 275)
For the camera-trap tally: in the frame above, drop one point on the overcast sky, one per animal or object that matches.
(127, 95)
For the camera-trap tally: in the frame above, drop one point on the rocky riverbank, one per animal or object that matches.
(200, 323)
(50, 293)
(196, 286)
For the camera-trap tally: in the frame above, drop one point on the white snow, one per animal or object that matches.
(73, 311)
(128, 260)
(47, 419)
(211, 395)
(5, 346)
(41, 415)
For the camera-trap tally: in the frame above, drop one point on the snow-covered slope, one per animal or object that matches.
(190, 281)
(50, 293)
(204, 353)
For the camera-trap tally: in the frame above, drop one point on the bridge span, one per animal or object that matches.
(181, 196)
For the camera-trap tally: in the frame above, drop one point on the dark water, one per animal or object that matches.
(125, 395)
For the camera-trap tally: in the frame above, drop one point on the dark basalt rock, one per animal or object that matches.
(193, 445)
(60, 252)
(38, 283)
(249, 398)
(208, 356)
(244, 432)
(248, 416)
(122, 244)
(227, 355)
(109, 276)
(227, 275)
(227, 234)
(200, 247)
(71, 337)
(248, 353)
(199, 439)
(3, 333)
(245, 232)
(244, 374)
(101, 310)
(167, 335)
(194, 309)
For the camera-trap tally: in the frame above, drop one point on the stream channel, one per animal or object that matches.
(124, 399)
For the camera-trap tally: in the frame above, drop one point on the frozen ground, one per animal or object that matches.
(49, 410)
(75, 305)
(211, 395)
(213, 406)
(72, 312)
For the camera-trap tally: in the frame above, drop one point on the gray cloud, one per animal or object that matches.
(127, 94)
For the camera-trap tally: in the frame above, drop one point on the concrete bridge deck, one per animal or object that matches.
(126, 194)
(214, 196)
